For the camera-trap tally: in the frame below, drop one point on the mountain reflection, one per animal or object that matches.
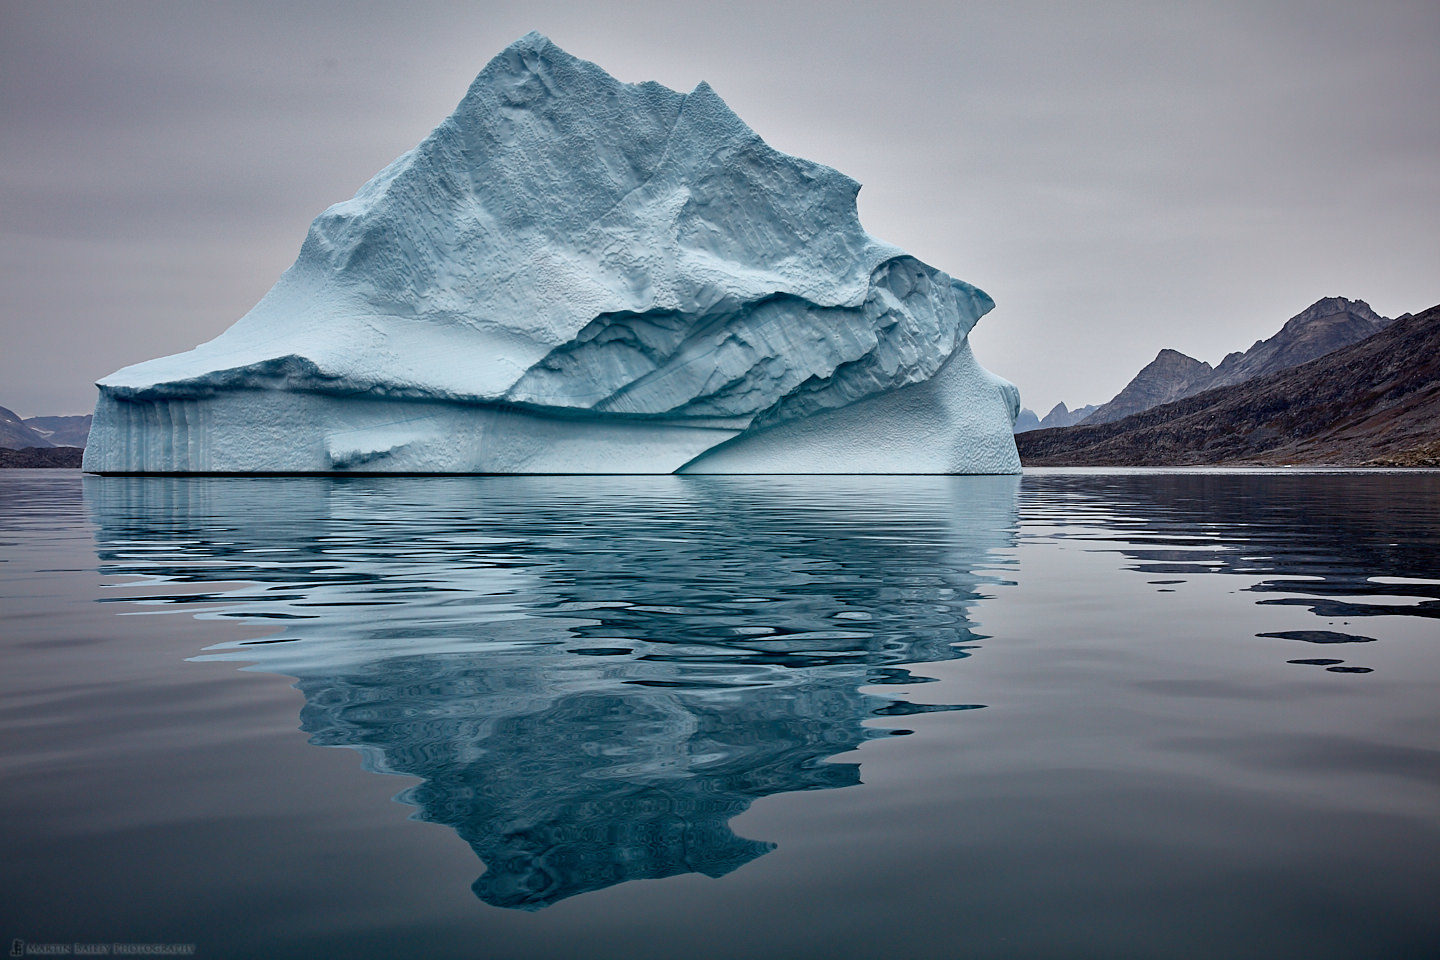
(590, 676)
(1343, 545)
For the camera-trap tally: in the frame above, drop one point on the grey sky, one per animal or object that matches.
(1120, 177)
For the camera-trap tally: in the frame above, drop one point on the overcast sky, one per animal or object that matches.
(1120, 177)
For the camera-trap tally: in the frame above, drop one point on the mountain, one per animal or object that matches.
(1170, 376)
(19, 434)
(1375, 402)
(16, 434)
(572, 274)
(1060, 416)
(1320, 328)
(62, 431)
(1325, 325)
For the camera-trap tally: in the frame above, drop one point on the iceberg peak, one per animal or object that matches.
(567, 255)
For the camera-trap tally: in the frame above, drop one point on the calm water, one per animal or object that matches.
(1069, 715)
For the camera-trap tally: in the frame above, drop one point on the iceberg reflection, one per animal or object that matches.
(590, 677)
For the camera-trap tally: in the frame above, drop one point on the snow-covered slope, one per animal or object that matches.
(575, 274)
(16, 434)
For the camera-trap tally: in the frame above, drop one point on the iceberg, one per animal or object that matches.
(572, 274)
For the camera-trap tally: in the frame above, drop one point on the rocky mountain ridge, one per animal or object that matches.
(19, 433)
(1324, 326)
(1374, 402)
(1170, 376)
(15, 435)
(71, 431)
(1059, 416)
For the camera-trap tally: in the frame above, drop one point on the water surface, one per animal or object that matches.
(1104, 714)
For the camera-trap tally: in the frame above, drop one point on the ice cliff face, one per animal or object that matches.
(574, 274)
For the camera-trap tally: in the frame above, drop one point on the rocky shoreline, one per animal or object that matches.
(31, 457)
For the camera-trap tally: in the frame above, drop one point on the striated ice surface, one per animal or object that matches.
(572, 274)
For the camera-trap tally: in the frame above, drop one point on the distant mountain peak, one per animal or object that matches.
(1326, 305)
(1326, 325)
(16, 434)
(1168, 377)
(1062, 416)
(1028, 420)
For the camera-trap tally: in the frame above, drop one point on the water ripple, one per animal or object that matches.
(589, 677)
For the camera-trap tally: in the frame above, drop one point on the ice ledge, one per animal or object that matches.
(956, 422)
